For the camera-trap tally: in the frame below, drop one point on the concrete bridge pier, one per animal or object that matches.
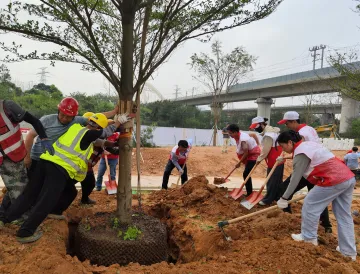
(264, 107)
(349, 110)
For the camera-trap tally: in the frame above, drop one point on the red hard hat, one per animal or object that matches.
(69, 106)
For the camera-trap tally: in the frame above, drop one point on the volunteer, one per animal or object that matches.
(333, 183)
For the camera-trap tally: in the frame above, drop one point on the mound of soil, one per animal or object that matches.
(260, 244)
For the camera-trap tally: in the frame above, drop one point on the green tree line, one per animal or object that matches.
(43, 99)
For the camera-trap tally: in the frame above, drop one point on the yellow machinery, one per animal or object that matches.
(330, 127)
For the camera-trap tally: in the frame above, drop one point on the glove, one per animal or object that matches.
(280, 159)
(181, 171)
(282, 203)
(47, 146)
(123, 118)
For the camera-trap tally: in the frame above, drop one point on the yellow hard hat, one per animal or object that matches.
(100, 119)
(88, 114)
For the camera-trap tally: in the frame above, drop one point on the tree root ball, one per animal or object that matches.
(99, 241)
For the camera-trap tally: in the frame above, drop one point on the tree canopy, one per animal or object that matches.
(126, 40)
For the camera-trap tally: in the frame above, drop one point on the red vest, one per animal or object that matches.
(253, 149)
(11, 141)
(324, 169)
(274, 152)
(181, 156)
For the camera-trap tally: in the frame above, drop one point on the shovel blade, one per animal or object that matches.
(110, 189)
(250, 201)
(240, 194)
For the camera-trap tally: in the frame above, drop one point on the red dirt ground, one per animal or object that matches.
(208, 161)
(260, 244)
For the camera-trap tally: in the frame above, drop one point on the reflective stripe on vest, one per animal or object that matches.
(69, 155)
(12, 129)
(13, 147)
(72, 151)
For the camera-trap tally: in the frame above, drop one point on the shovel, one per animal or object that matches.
(110, 185)
(256, 196)
(178, 180)
(219, 181)
(236, 193)
(222, 224)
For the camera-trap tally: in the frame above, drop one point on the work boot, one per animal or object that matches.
(18, 222)
(30, 239)
(352, 257)
(98, 188)
(262, 203)
(328, 229)
(88, 201)
(1, 224)
(56, 217)
(300, 238)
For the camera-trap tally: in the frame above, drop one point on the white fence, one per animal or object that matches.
(343, 144)
(170, 136)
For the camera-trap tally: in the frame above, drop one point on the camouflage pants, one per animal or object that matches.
(15, 179)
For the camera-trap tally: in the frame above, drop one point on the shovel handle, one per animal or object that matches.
(269, 176)
(178, 180)
(248, 177)
(230, 173)
(238, 219)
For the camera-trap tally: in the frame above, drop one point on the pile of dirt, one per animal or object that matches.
(260, 244)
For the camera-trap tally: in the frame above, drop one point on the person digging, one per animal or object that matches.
(269, 152)
(177, 158)
(54, 177)
(247, 152)
(291, 120)
(333, 183)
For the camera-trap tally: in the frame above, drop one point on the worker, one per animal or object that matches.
(247, 152)
(112, 160)
(54, 177)
(333, 183)
(13, 152)
(269, 152)
(177, 158)
(55, 126)
(351, 160)
(88, 184)
(291, 120)
(226, 139)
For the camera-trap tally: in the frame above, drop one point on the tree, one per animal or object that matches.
(124, 40)
(51, 90)
(221, 72)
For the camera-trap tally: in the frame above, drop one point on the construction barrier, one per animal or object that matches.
(342, 144)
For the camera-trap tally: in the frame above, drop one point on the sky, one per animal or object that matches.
(281, 42)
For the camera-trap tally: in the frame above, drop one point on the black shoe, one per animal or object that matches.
(98, 189)
(88, 201)
(328, 230)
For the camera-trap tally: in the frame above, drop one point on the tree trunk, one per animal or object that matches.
(124, 191)
(126, 93)
(215, 132)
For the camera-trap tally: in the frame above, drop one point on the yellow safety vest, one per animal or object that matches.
(68, 153)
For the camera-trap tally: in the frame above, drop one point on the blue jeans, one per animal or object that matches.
(102, 168)
(317, 200)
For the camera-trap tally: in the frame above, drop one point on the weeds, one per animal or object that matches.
(132, 233)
